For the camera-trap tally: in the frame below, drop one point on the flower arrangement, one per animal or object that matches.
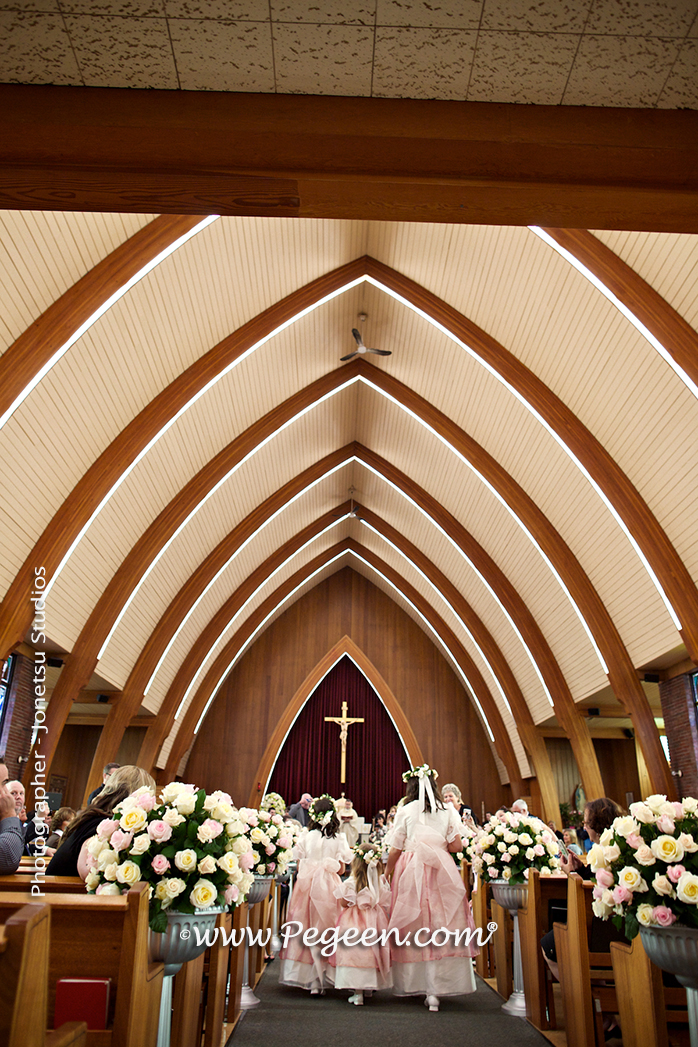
(646, 866)
(372, 855)
(190, 847)
(469, 837)
(270, 840)
(511, 844)
(274, 803)
(322, 817)
(423, 771)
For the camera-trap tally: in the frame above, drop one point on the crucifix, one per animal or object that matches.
(344, 722)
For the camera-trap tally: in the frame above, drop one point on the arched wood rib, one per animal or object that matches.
(132, 693)
(621, 672)
(185, 734)
(669, 327)
(344, 646)
(16, 610)
(640, 521)
(35, 346)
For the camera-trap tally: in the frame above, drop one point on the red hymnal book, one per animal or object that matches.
(82, 1000)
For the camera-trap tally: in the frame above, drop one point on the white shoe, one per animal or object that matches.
(357, 999)
(317, 992)
(432, 1002)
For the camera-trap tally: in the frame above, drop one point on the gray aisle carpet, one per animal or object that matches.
(295, 1019)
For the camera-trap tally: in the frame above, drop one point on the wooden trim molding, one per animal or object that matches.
(665, 323)
(185, 734)
(26, 357)
(92, 149)
(344, 646)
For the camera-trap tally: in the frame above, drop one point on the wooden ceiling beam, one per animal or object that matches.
(92, 149)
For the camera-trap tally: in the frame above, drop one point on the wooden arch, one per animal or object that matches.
(344, 646)
(219, 667)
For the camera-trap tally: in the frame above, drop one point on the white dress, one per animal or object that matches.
(428, 892)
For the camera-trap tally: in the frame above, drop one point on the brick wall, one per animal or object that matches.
(679, 709)
(19, 717)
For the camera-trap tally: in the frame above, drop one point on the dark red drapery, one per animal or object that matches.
(310, 758)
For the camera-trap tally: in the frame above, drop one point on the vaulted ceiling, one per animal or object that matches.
(186, 454)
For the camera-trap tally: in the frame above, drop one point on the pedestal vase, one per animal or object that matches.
(512, 897)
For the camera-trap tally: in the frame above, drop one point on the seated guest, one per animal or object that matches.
(569, 838)
(299, 811)
(106, 771)
(59, 823)
(11, 835)
(451, 794)
(71, 857)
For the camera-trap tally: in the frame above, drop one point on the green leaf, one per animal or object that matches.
(158, 922)
(632, 927)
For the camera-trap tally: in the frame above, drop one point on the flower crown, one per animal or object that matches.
(424, 771)
(369, 857)
(325, 817)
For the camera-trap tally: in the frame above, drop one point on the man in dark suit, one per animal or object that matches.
(299, 810)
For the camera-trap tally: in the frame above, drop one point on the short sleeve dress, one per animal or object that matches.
(365, 964)
(428, 892)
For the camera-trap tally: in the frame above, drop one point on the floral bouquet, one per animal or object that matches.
(511, 844)
(274, 803)
(646, 866)
(270, 839)
(469, 837)
(191, 848)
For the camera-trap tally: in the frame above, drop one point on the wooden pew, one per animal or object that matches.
(533, 924)
(47, 885)
(645, 1005)
(484, 961)
(586, 978)
(237, 959)
(104, 937)
(24, 955)
(503, 938)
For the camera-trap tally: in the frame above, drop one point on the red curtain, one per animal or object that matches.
(310, 758)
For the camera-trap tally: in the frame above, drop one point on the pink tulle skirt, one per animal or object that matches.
(313, 904)
(359, 966)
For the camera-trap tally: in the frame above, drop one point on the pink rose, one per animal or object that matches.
(159, 831)
(91, 862)
(675, 872)
(271, 866)
(506, 857)
(526, 872)
(665, 824)
(663, 915)
(634, 840)
(146, 802)
(246, 861)
(209, 830)
(277, 819)
(251, 818)
(264, 816)
(679, 811)
(106, 828)
(598, 892)
(160, 864)
(121, 841)
(232, 894)
(621, 895)
(284, 843)
(270, 849)
(604, 877)
(539, 850)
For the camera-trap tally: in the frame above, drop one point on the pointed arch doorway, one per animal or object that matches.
(379, 749)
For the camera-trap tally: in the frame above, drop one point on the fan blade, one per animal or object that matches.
(357, 336)
(380, 352)
(351, 356)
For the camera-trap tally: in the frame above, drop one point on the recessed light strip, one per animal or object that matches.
(556, 436)
(104, 307)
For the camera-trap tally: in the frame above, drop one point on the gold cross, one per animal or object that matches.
(344, 722)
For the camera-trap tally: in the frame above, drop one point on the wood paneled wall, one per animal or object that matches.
(618, 763)
(234, 735)
(73, 758)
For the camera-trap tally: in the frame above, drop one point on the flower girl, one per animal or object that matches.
(365, 899)
(321, 852)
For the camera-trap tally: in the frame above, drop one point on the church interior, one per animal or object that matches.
(350, 354)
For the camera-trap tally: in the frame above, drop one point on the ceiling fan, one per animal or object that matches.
(361, 348)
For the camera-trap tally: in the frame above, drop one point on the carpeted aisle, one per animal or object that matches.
(294, 1018)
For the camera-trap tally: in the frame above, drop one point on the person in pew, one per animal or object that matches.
(107, 770)
(71, 857)
(598, 815)
(11, 835)
(569, 838)
(59, 823)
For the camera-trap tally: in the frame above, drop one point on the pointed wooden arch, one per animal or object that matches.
(345, 646)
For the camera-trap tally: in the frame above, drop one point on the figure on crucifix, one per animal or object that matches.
(344, 720)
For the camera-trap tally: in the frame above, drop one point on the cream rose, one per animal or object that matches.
(644, 855)
(612, 853)
(690, 804)
(606, 838)
(688, 843)
(667, 848)
(207, 865)
(204, 894)
(185, 860)
(600, 909)
(656, 802)
(107, 857)
(525, 839)
(257, 835)
(240, 845)
(173, 818)
(132, 821)
(687, 889)
(630, 879)
(92, 882)
(223, 812)
(235, 827)
(140, 844)
(625, 826)
(109, 888)
(642, 813)
(228, 862)
(597, 858)
(128, 872)
(645, 914)
(662, 885)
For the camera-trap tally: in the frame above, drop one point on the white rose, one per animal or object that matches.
(663, 885)
(228, 862)
(667, 848)
(246, 883)
(237, 876)
(257, 835)
(656, 802)
(185, 860)
(489, 858)
(644, 855)
(207, 865)
(630, 878)
(223, 812)
(597, 859)
(171, 792)
(690, 804)
(612, 853)
(185, 803)
(173, 818)
(645, 914)
(140, 844)
(530, 854)
(510, 837)
(111, 871)
(525, 839)
(235, 827)
(501, 847)
(513, 849)
(92, 882)
(545, 871)
(606, 838)
(204, 894)
(129, 873)
(133, 820)
(261, 870)
(95, 845)
(668, 810)
(625, 826)
(600, 909)
(499, 830)
(272, 831)
(688, 843)
(506, 873)
(107, 857)
(240, 845)
(110, 888)
(687, 889)
(642, 813)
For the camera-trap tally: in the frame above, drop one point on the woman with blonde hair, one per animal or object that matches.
(71, 857)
